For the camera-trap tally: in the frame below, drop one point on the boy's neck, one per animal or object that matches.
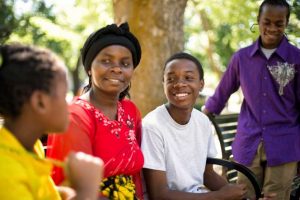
(181, 116)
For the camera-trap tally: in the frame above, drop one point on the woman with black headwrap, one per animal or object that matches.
(102, 121)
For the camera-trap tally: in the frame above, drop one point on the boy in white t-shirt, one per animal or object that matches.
(177, 139)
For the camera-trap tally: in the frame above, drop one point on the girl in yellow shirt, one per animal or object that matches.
(33, 86)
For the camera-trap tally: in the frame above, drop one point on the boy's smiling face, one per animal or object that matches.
(272, 23)
(182, 83)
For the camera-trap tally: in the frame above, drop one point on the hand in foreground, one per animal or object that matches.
(233, 191)
(85, 173)
(66, 193)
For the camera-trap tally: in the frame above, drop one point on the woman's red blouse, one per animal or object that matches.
(116, 142)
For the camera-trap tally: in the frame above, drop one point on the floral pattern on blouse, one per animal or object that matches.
(113, 124)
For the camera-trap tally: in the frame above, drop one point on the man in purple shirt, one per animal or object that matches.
(268, 72)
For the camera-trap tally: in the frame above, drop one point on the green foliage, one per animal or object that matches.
(61, 26)
(223, 26)
(229, 27)
(294, 25)
(8, 22)
(296, 8)
(223, 44)
(18, 21)
(64, 25)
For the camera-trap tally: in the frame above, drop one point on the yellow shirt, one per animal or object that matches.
(24, 175)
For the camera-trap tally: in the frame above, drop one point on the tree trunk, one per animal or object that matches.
(159, 27)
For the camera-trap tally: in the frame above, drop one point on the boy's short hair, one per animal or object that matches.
(282, 3)
(183, 55)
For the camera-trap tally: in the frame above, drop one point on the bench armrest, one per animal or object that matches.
(238, 167)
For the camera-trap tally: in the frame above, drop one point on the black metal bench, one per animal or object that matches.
(230, 165)
(225, 126)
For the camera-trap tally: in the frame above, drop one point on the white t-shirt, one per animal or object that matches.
(267, 52)
(179, 150)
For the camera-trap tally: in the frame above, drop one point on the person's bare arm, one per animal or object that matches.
(157, 188)
(212, 180)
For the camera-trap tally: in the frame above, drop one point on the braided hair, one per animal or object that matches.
(23, 70)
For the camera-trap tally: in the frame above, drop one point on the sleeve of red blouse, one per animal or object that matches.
(76, 138)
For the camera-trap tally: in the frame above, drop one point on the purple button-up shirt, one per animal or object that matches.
(270, 110)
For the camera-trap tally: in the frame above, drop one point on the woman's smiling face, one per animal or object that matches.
(182, 83)
(112, 69)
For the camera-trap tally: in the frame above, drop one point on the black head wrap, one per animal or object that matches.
(110, 35)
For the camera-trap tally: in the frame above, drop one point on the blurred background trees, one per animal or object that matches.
(211, 30)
